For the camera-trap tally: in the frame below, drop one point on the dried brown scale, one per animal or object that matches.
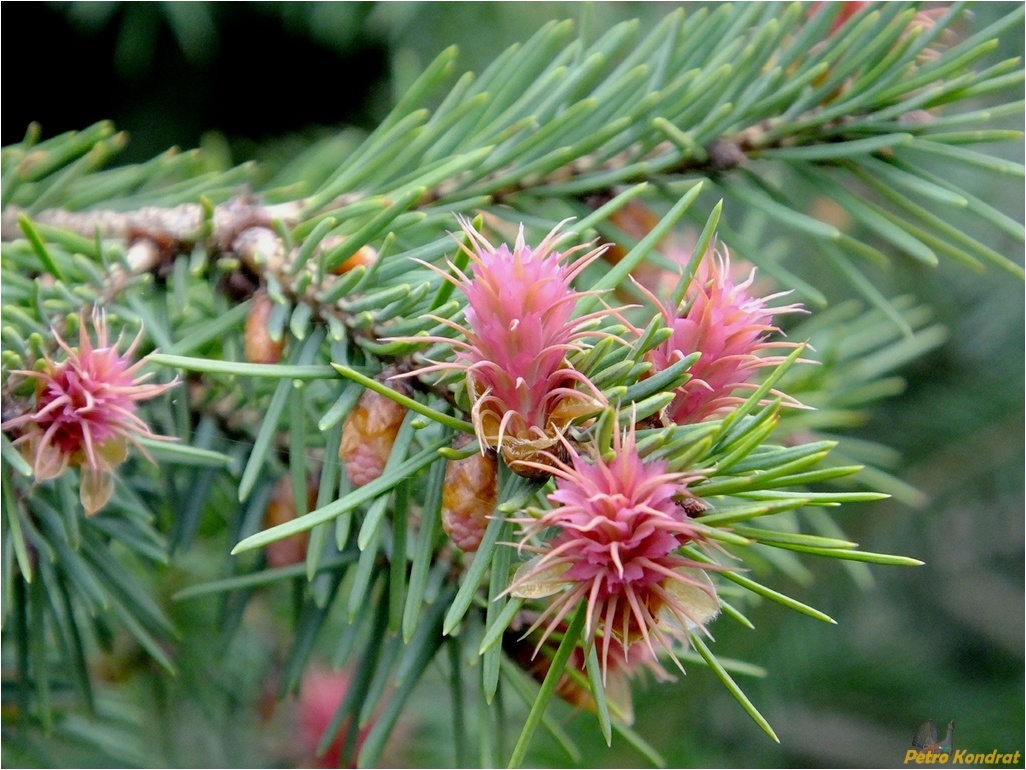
(166, 248)
(725, 155)
(239, 285)
(235, 218)
(528, 452)
(691, 505)
(261, 249)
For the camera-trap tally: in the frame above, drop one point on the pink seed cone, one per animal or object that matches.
(618, 531)
(85, 412)
(729, 327)
(519, 330)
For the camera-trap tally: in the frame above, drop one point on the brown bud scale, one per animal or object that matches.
(282, 508)
(368, 435)
(259, 347)
(468, 499)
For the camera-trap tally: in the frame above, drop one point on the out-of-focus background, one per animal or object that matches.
(944, 641)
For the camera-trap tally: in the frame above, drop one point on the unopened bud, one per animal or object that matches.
(259, 347)
(468, 499)
(368, 435)
(280, 509)
(365, 255)
(536, 665)
(637, 220)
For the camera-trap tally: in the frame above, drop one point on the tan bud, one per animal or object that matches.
(617, 681)
(468, 498)
(365, 255)
(637, 220)
(259, 347)
(282, 508)
(368, 435)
